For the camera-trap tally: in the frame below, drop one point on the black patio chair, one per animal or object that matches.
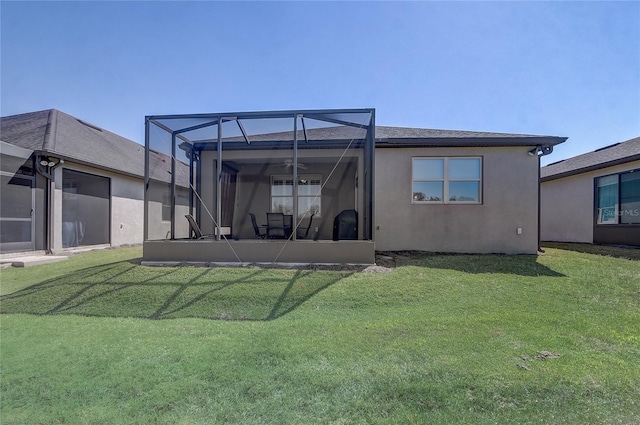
(288, 225)
(275, 226)
(256, 228)
(302, 233)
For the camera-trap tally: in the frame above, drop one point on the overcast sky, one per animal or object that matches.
(552, 68)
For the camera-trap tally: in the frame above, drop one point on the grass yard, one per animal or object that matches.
(442, 339)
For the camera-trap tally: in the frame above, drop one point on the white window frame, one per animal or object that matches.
(446, 180)
(285, 178)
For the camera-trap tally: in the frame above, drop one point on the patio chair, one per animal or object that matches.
(256, 228)
(275, 226)
(196, 229)
(288, 225)
(301, 233)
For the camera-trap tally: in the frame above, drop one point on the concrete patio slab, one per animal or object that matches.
(31, 260)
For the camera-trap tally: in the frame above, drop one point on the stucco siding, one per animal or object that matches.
(509, 187)
(568, 208)
(126, 221)
(127, 211)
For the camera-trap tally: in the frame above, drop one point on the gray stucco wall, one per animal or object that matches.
(510, 197)
(567, 210)
(127, 210)
(567, 205)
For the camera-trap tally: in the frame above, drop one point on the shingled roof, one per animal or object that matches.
(56, 133)
(608, 156)
(403, 137)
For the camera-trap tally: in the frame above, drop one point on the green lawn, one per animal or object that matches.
(451, 339)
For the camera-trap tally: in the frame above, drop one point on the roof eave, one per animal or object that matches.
(68, 158)
(469, 141)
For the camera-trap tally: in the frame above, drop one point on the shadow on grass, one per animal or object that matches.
(522, 265)
(628, 253)
(124, 289)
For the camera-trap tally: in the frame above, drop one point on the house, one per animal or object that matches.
(352, 187)
(594, 197)
(402, 188)
(67, 183)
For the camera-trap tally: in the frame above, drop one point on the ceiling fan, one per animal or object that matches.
(288, 163)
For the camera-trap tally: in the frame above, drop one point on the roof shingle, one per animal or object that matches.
(52, 131)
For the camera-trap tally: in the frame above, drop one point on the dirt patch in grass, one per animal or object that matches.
(377, 269)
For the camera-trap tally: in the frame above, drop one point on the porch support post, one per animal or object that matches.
(199, 184)
(173, 186)
(191, 162)
(146, 180)
(295, 177)
(369, 178)
(219, 182)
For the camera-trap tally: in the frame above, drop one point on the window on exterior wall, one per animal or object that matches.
(309, 194)
(447, 180)
(630, 198)
(166, 207)
(618, 198)
(608, 200)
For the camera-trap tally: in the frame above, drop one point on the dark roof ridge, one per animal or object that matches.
(49, 142)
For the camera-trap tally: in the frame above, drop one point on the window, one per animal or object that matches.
(166, 207)
(630, 197)
(447, 180)
(608, 200)
(309, 194)
(182, 199)
(618, 198)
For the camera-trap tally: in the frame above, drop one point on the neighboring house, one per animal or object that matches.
(594, 197)
(353, 187)
(67, 183)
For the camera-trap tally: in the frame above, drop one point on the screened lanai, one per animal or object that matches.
(280, 186)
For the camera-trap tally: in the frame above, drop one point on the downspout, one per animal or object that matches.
(48, 173)
(540, 152)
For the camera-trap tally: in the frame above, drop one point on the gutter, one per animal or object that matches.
(465, 142)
